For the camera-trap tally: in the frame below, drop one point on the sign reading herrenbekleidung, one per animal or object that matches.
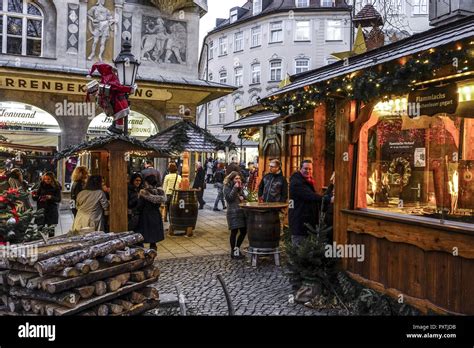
(433, 100)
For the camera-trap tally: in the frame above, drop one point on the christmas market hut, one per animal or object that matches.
(108, 156)
(190, 140)
(404, 163)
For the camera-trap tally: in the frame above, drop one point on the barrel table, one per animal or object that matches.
(183, 211)
(263, 229)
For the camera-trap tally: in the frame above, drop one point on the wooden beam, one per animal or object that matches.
(422, 237)
(319, 147)
(345, 113)
(425, 306)
(118, 219)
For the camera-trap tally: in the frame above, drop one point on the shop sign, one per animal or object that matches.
(71, 87)
(138, 125)
(433, 100)
(13, 115)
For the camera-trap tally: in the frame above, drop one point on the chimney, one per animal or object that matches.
(447, 11)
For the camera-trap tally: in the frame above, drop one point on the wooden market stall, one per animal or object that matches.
(404, 140)
(34, 160)
(186, 138)
(108, 156)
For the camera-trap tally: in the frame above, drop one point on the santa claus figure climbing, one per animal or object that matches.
(111, 95)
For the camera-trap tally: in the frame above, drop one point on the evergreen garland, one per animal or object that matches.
(375, 83)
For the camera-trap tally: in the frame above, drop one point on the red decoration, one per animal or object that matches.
(112, 98)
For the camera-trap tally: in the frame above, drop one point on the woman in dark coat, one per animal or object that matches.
(134, 187)
(234, 195)
(48, 196)
(150, 223)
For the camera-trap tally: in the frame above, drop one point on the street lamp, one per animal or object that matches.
(127, 69)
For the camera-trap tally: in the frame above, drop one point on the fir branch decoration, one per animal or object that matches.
(376, 83)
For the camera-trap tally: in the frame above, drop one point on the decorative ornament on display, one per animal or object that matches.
(11, 235)
(11, 221)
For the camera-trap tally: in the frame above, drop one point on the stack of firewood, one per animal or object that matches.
(93, 274)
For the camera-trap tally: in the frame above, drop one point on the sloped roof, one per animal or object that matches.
(100, 142)
(273, 6)
(437, 37)
(187, 136)
(258, 119)
(368, 16)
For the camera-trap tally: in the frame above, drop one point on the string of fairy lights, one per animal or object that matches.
(381, 82)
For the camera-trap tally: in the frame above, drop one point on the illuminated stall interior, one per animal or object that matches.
(420, 164)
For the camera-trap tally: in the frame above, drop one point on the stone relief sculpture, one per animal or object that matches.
(100, 21)
(163, 41)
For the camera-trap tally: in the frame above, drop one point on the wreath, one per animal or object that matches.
(406, 170)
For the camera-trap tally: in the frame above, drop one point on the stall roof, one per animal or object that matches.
(258, 119)
(420, 42)
(101, 142)
(187, 136)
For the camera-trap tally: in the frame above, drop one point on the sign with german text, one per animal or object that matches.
(433, 100)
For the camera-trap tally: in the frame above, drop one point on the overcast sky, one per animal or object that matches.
(217, 9)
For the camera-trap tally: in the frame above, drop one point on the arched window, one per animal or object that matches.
(254, 100)
(223, 77)
(222, 111)
(209, 113)
(275, 70)
(256, 73)
(21, 27)
(237, 106)
(301, 65)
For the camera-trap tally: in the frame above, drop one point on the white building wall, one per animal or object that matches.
(318, 50)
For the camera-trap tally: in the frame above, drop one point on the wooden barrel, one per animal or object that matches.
(263, 228)
(183, 210)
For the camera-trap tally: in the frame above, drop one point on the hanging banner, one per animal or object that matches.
(433, 100)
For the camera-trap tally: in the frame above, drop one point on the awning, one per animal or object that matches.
(223, 137)
(259, 119)
(187, 136)
(416, 43)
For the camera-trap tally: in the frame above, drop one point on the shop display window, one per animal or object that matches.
(421, 166)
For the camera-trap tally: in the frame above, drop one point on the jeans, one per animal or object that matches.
(220, 195)
(200, 198)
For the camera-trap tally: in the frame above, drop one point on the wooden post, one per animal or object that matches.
(345, 113)
(319, 147)
(118, 219)
(185, 173)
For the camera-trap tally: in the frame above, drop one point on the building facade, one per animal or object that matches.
(260, 44)
(47, 48)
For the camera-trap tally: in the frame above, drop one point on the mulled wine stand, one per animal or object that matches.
(263, 228)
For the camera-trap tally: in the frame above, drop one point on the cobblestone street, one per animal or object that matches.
(264, 290)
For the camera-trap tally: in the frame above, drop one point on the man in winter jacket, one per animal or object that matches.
(273, 187)
(304, 202)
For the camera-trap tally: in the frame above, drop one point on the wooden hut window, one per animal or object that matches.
(421, 166)
(296, 152)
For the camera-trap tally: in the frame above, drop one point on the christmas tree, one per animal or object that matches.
(16, 221)
(308, 259)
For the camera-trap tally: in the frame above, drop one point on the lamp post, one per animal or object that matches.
(127, 69)
(205, 44)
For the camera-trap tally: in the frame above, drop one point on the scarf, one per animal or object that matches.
(309, 180)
